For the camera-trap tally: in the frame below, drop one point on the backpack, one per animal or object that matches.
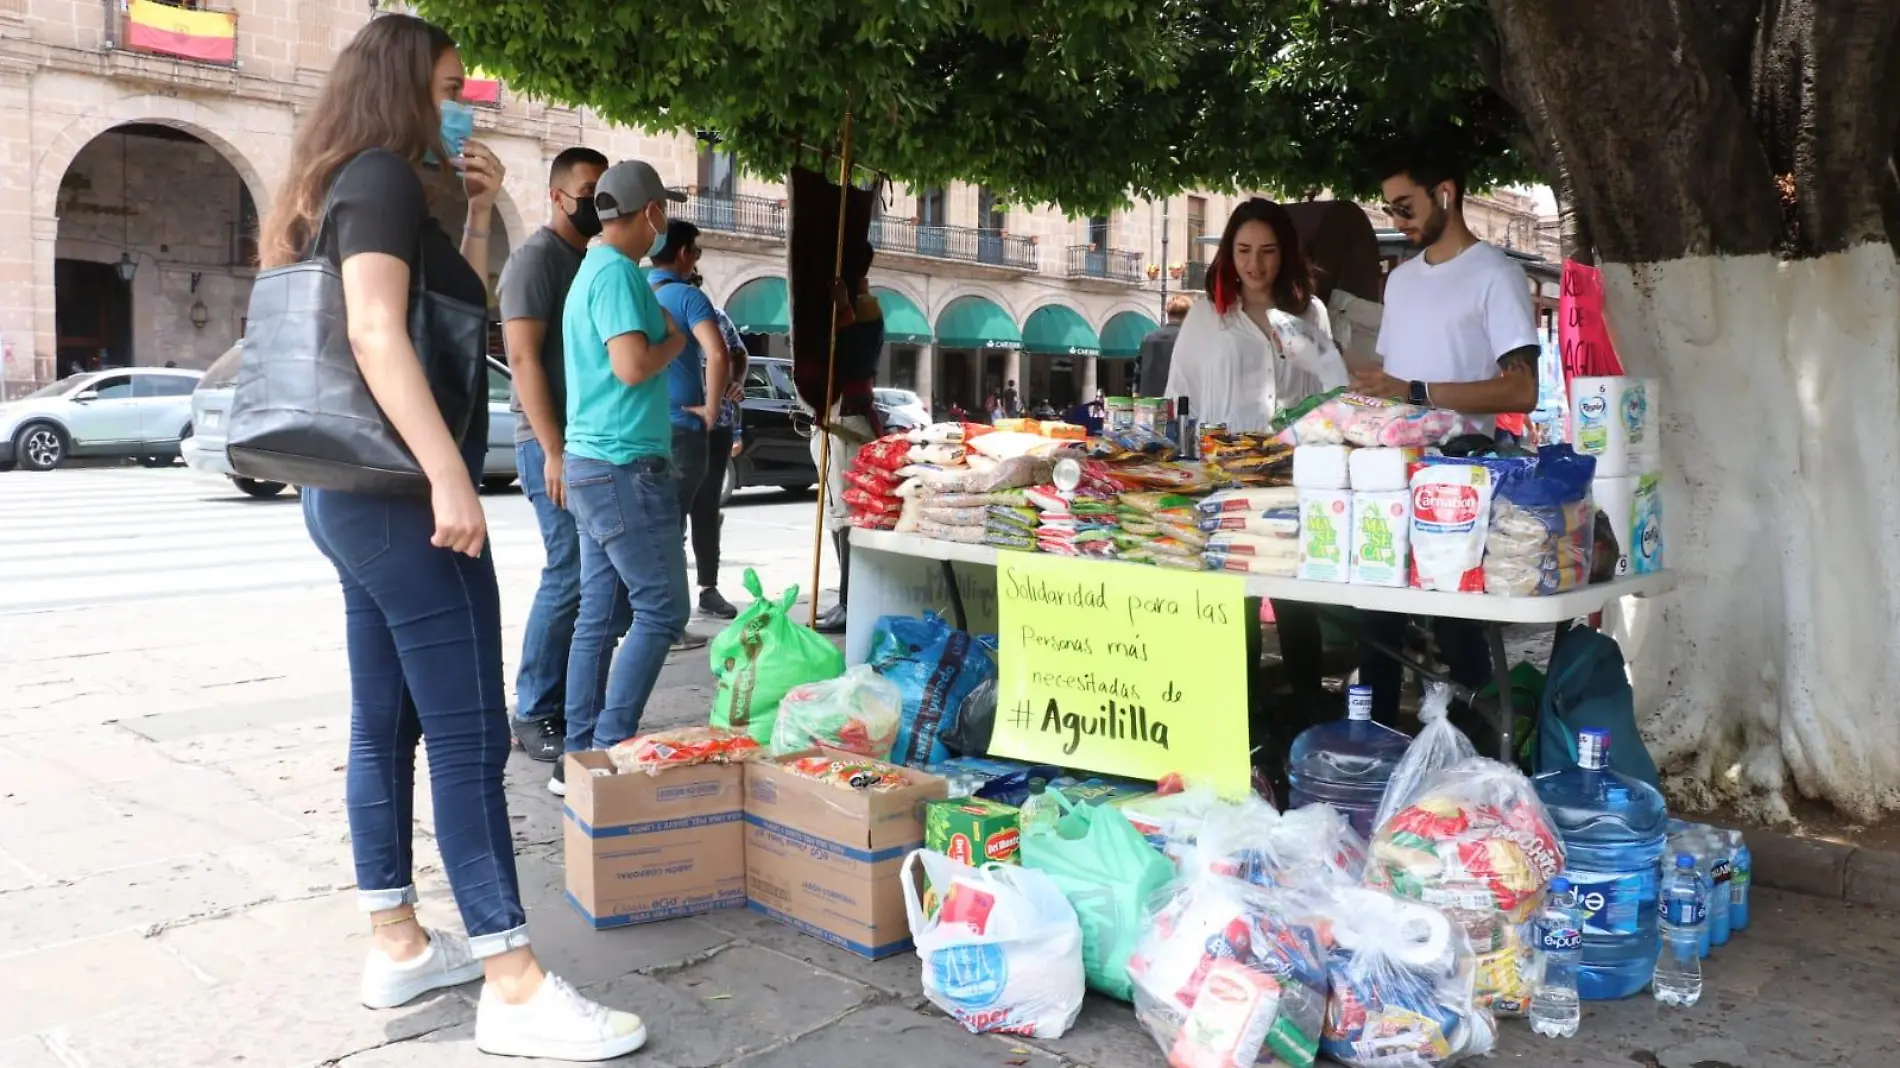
(1588, 687)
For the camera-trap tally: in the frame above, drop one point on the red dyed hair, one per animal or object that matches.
(1292, 287)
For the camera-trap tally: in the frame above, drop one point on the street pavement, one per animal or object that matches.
(174, 863)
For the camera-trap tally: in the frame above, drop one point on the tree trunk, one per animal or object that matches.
(1733, 161)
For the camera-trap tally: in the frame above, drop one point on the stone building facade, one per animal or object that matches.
(115, 157)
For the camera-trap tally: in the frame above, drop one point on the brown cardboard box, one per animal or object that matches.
(641, 847)
(829, 861)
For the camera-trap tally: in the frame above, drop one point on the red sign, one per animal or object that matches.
(1583, 337)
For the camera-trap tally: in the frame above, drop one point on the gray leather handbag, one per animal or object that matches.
(301, 412)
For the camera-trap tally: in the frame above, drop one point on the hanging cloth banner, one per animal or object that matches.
(204, 36)
(1583, 336)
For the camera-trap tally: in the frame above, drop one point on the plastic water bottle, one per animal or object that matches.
(1721, 873)
(1697, 845)
(1039, 812)
(1613, 832)
(1685, 899)
(1741, 873)
(1346, 763)
(1554, 1009)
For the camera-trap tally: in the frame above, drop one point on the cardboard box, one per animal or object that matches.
(971, 830)
(827, 860)
(642, 847)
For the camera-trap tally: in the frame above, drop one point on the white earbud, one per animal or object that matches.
(1444, 201)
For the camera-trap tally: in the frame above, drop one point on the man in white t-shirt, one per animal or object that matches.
(1459, 333)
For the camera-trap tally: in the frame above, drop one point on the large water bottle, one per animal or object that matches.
(1741, 873)
(1613, 831)
(1346, 763)
(1685, 901)
(1554, 1009)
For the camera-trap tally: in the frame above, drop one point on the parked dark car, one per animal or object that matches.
(775, 445)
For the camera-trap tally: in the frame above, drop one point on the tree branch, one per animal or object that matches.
(1662, 157)
(1827, 102)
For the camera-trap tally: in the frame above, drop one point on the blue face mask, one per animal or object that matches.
(659, 240)
(458, 125)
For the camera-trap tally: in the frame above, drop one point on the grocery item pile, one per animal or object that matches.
(1348, 489)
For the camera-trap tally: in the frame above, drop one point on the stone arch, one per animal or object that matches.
(951, 293)
(180, 114)
(744, 278)
(1124, 305)
(1044, 300)
(902, 285)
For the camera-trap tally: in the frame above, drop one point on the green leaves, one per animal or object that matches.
(1080, 103)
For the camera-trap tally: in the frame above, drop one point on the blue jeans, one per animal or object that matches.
(541, 680)
(633, 569)
(424, 638)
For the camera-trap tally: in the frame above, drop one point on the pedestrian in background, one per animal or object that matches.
(696, 381)
(1157, 349)
(420, 599)
(707, 516)
(533, 288)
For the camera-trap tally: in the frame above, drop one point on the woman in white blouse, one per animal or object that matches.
(1262, 341)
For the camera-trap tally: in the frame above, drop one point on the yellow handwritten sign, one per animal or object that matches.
(1122, 669)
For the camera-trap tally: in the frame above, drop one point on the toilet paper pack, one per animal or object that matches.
(1381, 537)
(1321, 467)
(1611, 419)
(1325, 535)
(1634, 504)
(1381, 470)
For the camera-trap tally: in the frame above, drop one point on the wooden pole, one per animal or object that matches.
(831, 370)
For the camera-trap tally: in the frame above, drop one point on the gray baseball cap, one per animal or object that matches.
(627, 187)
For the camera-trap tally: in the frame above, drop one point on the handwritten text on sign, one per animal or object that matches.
(1122, 669)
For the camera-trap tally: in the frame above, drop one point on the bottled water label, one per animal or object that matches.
(1720, 871)
(1560, 938)
(1359, 703)
(1612, 904)
(1681, 911)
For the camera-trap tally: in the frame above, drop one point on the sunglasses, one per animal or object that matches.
(1401, 210)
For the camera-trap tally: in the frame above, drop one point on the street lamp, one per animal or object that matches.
(126, 267)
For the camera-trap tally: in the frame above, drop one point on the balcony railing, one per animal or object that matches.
(961, 243)
(1109, 264)
(727, 213)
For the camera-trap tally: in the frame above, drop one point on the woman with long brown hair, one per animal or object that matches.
(1262, 340)
(423, 613)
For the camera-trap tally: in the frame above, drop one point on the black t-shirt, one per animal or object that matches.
(378, 206)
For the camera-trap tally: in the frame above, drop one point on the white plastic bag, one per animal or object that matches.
(1002, 951)
(1400, 986)
(1439, 745)
(857, 712)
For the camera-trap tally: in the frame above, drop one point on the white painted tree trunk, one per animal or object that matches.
(1776, 663)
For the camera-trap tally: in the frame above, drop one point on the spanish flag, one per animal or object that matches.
(204, 36)
(479, 88)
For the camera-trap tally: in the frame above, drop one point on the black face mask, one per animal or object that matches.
(585, 219)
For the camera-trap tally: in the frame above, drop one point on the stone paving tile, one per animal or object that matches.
(876, 1035)
(29, 1053)
(77, 981)
(134, 899)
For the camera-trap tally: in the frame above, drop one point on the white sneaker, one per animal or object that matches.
(447, 962)
(557, 1023)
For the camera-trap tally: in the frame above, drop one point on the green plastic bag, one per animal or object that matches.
(762, 654)
(1109, 872)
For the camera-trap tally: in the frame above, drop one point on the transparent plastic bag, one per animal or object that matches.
(1313, 848)
(1400, 986)
(1438, 746)
(1477, 844)
(1231, 974)
(857, 712)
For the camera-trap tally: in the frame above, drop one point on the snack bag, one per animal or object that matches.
(762, 655)
(1002, 949)
(683, 747)
(1313, 848)
(847, 774)
(1400, 982)
(857, 712)
(1476, 843)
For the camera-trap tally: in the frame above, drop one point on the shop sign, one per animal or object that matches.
(1123, 670)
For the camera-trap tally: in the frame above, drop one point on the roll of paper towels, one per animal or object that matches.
(1325, 535)
(1321, 467)
(1381, 537)
(1381, 470)
(1610, 420)
(1634, 504)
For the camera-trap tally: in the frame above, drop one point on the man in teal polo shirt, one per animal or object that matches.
(619, 470)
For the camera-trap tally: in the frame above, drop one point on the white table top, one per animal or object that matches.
(1550, 610)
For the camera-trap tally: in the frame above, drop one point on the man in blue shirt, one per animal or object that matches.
(621, 486)
(706, 516)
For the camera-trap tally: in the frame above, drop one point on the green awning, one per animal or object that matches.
(977, 323)
(1122, 337)
(903, 323)
(1059, 330)
(761, 306)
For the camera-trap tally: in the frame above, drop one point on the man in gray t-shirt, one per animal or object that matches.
(533, 290)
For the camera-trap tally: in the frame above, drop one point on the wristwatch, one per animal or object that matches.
(1419, 395)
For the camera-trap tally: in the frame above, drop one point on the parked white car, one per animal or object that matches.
(204, 449)
(137, 413)
(903, 408)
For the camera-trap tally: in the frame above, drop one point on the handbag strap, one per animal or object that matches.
(419, 280)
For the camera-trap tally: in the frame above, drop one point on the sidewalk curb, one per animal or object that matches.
(1819, 868)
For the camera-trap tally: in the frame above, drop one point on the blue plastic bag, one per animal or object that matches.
(936, 667)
